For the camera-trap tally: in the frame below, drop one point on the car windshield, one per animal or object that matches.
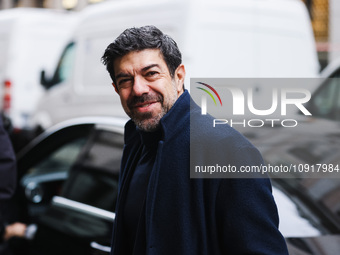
(314, 200)
(293, 222)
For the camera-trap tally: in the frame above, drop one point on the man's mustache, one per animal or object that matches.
(144, 98)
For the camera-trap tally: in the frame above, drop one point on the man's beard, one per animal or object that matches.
(146, 121)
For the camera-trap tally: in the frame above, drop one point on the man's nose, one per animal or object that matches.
(140, 86)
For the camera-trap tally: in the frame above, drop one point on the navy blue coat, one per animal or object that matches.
(198, 216)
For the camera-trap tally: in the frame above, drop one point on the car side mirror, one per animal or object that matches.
(47, 83)
(43, 81)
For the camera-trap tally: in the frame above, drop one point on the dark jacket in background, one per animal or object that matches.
(7, 171)
(7, 165)
(186, 216)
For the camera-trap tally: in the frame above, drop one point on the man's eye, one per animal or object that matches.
(124, 83)
(151, 73)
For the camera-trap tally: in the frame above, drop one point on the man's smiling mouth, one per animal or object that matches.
(144, 104)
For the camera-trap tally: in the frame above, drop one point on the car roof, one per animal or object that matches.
(104, 122)
(112, 124)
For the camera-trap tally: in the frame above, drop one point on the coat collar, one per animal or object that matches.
(178, 116)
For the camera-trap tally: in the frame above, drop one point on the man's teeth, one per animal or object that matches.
(144, 105)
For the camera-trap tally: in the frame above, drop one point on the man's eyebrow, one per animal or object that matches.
(121, 75)
(124, 75)
(149, 66)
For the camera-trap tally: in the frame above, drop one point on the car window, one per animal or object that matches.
(46, 178)
(336, 79)
(93, 179)
(60, 160)
(326, 100)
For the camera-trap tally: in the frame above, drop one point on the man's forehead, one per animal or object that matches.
(139, 59)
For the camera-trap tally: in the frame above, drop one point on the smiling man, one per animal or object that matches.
(160, 210)
(145, 86)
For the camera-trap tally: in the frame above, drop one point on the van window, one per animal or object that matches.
(64, 68)
(66, 63)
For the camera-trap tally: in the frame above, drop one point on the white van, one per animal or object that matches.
(229, 38)
(30, 39)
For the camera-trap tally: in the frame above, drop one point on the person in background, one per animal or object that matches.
(7, 185)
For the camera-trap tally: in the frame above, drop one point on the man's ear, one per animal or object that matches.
(179, 78)
(116, 89)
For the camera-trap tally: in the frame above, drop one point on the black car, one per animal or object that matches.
(67, 187)
(308, 196)
(68, 182)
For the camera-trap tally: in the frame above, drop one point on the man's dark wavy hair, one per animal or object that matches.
(137, 39)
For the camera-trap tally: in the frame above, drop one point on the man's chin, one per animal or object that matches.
(147, 125)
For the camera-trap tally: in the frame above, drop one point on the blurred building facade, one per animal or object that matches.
(53, 4)
(324, 14)
(325, 20)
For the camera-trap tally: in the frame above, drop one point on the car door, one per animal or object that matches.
(82, 216)
(68, 187)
